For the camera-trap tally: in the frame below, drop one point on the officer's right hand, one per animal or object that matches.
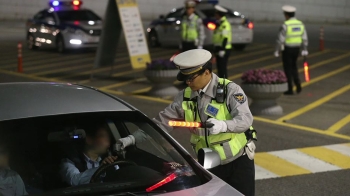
(221, 53)
(277, 53)
(126, 141)
(304, 53)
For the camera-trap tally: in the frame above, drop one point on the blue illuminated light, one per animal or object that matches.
(75, 137)
(55, 3)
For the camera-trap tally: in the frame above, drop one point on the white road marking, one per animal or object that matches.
(341, 148)
(261, 173)
(305, 161)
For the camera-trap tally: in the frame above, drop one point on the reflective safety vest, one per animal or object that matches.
(228, 145)
(189, 29)
(221, 32)
(294, 32)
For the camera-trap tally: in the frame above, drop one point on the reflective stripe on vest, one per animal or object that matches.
(227, 145)
(223, 31)
(189, 29)
(294, 32)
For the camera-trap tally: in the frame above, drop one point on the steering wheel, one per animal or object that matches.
(103, 168)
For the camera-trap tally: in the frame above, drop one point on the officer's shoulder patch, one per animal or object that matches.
(239, 97)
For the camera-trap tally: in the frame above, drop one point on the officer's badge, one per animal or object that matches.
(239, 97)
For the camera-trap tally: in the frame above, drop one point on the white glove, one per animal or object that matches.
(304, 53)
(221, 53)
(219, 126)
(199, 47)
(277, 53)
(250, 150)
(127, 141)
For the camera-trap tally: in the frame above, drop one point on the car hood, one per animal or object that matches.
(212, 188)
(85, 24)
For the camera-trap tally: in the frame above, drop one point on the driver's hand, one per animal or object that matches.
(109, 160)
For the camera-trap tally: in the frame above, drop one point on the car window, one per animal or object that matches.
(40, 16)
(210, 13)
(77, 15)
(44, 151)
(176, 13)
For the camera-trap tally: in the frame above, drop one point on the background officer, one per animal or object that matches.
(192, 29)
(222, 40)
(291, 36)
(209, 98)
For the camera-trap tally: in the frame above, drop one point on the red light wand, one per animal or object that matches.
(174, 123)
(306, 70)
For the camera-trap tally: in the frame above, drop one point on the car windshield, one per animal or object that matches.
(66, 154)
(77, 15)
(210, 13)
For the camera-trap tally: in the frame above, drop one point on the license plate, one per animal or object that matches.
(94, 39)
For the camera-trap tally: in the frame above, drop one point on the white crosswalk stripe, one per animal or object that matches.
(305, 161)
(302, 161)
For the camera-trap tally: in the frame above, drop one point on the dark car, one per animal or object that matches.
(166, 29)
(43, 123)
(64, 25)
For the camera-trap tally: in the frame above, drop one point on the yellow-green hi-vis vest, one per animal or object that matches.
(189, 29)
(294, 32)
(222, 32)
(228, 145)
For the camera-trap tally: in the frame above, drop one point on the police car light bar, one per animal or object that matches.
(208, 1)
(56, 3)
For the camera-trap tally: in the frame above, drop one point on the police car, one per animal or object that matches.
(166, 30)
(64, 25)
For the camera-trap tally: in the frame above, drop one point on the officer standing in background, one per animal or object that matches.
(192, 29)
(223, 103)
(290, 38)
(222, 40)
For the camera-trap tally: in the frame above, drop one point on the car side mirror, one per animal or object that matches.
(161, 17)
(208, 158)
(50, 20)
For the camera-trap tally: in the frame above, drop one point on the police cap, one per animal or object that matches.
(289, 9)
(191, 62)
(190, 3)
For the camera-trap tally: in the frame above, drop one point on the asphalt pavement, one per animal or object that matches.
(305, 151)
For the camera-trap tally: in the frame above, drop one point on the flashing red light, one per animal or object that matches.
(166, 180)
(250, 25)
(76, 22)
(306, 72)
(75, 2)
(211, 26)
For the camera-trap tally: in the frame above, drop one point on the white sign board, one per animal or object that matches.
(134, 34)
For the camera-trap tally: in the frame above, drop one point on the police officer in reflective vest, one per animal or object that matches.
(291, 37)
(222, 40)
(192, 29)
(223, 103)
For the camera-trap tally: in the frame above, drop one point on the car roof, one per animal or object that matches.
(33, 99)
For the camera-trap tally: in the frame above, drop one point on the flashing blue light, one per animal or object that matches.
(76, 137)
(55, 3)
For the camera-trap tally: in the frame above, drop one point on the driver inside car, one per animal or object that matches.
(11, 184)
(78, 169)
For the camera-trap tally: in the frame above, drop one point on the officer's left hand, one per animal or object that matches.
(219, 126)
(304, 53)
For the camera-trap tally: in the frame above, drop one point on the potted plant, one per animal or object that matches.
(264, 87)
(162, 74)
